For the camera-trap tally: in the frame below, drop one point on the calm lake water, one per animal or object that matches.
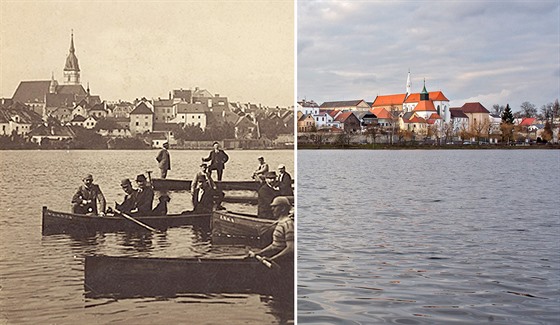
(41, 277)
(428, 237)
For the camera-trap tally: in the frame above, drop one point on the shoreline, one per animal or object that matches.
(428, 147)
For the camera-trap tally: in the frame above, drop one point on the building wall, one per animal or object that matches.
(140, 123)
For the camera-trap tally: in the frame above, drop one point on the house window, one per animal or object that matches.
(137, 124)
(146, 123)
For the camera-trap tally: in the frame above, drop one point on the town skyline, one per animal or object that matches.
(239, 50)
(493, 53)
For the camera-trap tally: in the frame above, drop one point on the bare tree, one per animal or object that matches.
(528, 109)
(498, 109)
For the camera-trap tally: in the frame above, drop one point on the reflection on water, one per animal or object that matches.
(429, 237)
(42, 276)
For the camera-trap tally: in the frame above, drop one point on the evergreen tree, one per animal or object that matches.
(507, 115)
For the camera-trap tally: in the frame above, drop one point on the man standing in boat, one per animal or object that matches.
(204, 191)
(218, 159)
(281, 250)
(164, 160)
(144, 198)
(266, 193)
(284, 181)
(85, 199)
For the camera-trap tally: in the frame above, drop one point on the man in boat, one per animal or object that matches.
(161, 207)
(259, 173)
(205, 193)
(144, 198)
(281, 250)
(284, 181)
(266, 194)
(85, 199)
(129, 201)
(164, 160)
(218, 159)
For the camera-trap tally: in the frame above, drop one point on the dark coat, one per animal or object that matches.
(266, 195)
(93, 193)
(144, 201)
(217, 160)
(164, 159)
(285, 184)
(128, 203)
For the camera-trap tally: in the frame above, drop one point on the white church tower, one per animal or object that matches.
(408, 85)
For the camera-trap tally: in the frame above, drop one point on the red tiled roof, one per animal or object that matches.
(333, 113)
(425, 106)
(342, 117)
(527, 121)
(381, 112)
(474, 108)
(435, 116)
(385, 100)
(433, 95)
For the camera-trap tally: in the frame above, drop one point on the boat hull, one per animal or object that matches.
(111, 276)
(54, 222)
(237, 225)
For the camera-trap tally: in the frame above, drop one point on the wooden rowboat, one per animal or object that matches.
(112, 276)
(241, 225)
(160, 184)
(55, 222)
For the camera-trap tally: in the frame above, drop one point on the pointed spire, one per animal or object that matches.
(72, 42)
(408, 84)
(424, 95)
(88, 88)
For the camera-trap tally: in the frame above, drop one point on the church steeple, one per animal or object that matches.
(424, 95)
(53, 85)
(408, 84)
(72, 68)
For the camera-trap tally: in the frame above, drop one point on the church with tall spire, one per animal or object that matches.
(49, 97)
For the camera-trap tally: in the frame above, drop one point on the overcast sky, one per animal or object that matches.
(129, 49)
(493, 52)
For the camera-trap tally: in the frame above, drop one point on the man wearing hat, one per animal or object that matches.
(130, 196)
(281, 250)
(284, 181)
(164, 160)
(85, 199)
(218, 159)
(259, 173)
(266, 193)
(144, 198)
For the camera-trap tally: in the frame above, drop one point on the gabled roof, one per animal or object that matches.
(345, 103)
(56, 130)
(78, 118)
(527, 121)
(386, 100)
(98, 107)
(433, 95)
(342, 117)
(304, 117)
(435, 116)
(163, 102)
(142, 109)
(474, 108)
(333, 113)
(381, 113)
(457, 113)
(32, 91)
(425, 106)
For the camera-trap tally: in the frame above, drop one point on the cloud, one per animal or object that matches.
(496, 51)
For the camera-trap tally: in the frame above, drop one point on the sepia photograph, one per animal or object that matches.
(147, 162)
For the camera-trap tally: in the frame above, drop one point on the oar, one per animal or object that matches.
(136, 221)
(263, 260)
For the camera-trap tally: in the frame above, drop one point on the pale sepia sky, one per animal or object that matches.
(130, 49)
(493, 52)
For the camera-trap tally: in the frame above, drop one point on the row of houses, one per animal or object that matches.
(422, 115)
